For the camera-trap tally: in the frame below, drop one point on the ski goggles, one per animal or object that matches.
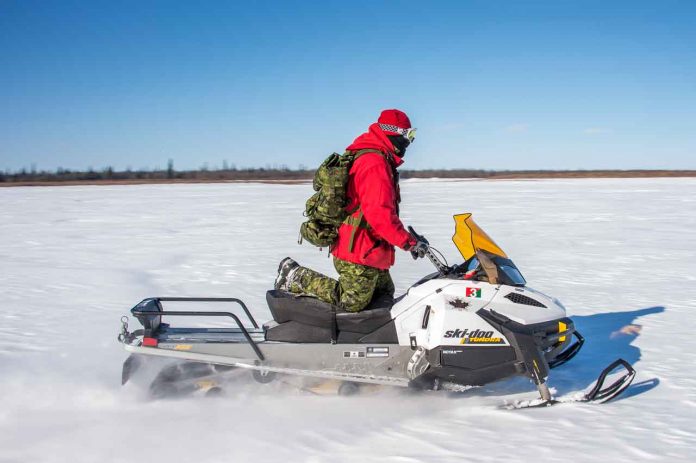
(409, 134)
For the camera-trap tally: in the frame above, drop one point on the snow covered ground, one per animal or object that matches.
(74, 259)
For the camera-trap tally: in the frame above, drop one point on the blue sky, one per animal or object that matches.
(489, 84)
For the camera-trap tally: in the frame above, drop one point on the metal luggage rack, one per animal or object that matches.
(194, 313)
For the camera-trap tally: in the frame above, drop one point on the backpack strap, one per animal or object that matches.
(356, 222)
(365, 151)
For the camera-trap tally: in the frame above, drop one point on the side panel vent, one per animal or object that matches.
(522, 299)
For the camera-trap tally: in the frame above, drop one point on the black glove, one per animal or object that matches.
(419, 249)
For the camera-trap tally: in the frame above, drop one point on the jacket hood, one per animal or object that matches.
(376, 139)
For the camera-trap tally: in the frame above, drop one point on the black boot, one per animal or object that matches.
(286, 272)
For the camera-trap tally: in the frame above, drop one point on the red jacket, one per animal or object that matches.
(372, 187)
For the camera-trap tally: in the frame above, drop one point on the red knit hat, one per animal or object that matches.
(393, 117)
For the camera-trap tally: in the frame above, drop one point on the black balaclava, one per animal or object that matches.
(400, 143)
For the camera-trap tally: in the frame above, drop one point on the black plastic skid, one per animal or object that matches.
(568, 353)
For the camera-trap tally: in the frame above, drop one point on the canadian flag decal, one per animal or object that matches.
(473, 292)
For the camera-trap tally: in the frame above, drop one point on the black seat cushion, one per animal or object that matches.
(311, 311)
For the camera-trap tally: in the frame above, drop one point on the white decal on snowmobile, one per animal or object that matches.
(378, 352)
(474, 337)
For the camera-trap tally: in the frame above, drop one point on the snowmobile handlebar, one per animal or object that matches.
(441, 267)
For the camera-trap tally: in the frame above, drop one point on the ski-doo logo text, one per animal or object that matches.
(473, 292)
(474, 337)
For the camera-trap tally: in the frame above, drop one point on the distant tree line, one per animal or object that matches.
(284, 173)
(169, 174)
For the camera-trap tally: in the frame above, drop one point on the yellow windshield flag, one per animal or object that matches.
(469, 237)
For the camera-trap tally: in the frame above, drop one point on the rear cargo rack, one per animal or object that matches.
(213, 299)
(149, 315)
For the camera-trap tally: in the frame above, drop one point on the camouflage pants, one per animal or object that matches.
(355, 288)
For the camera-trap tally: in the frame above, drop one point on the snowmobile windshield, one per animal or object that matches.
(480, 251)
(469, 237)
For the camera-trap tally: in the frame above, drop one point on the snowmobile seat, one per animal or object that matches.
(308, 310)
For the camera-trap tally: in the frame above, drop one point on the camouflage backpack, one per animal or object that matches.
(326, 209)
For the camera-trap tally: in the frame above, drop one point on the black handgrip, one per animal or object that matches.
(417, 236)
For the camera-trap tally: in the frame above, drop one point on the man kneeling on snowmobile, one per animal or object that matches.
(364, 249)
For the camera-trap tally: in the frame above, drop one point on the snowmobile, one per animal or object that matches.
(468, 324)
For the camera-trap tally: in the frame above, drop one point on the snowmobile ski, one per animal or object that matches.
(597, 395)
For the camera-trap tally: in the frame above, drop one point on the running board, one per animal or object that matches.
(252, 364)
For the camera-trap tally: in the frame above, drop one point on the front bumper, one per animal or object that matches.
(540, 346)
